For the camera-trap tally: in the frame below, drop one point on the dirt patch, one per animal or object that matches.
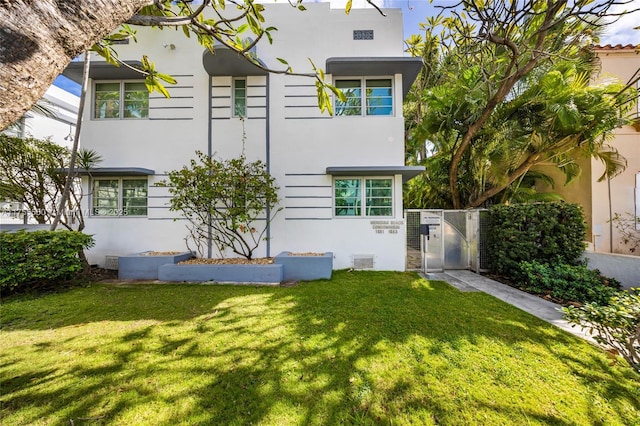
(230, 261)
(310, 254)
(161, 253)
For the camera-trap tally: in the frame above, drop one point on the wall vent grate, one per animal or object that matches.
(362, 261)
(111, 262)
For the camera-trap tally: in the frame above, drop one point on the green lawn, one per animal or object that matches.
(364, 348)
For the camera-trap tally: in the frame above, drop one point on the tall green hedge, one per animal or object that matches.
(31, 259)
(550, 233)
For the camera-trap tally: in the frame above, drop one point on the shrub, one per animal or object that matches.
(567, 282)
(231, 202)
(551, 233)
(616, 325)
(41, 257)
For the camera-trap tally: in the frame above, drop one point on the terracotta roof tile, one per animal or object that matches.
(614, 47)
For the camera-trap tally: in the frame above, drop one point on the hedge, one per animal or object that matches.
(550, 233)
(32, 259)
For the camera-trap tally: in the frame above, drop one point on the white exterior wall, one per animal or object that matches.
(302, 141)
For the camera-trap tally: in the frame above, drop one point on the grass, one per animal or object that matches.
(364, 348)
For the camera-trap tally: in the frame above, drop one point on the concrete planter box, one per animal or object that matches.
(249, 274)
(141, 266)
(305, 268)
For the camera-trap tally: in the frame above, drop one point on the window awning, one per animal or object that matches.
(380, 65)
(226, 62)
(102, 70)
(407, 172)
(111, 171)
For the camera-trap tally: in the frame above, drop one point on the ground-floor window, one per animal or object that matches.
(363, 197)
(120, 197)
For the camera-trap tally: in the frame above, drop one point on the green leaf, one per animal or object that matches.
(347, 8)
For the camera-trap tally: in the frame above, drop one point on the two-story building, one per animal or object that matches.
(340, 176)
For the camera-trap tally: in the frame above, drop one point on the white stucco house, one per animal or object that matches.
(219, 96)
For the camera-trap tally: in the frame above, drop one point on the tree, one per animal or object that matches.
(38, 39)
(485, 62)
(30, 174)
(224, 201)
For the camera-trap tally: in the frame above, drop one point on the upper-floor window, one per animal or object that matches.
(239, 97)
(375, 94)
(363, 197)
(120, 197)
(121, 99)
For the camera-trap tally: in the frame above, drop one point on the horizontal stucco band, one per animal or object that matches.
(407, 172)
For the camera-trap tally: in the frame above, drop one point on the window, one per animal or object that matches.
(377, 97)
(121, 100)
(375, 200)
(239, 97)
(120, 197)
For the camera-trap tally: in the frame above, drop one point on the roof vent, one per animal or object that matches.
(363, 34)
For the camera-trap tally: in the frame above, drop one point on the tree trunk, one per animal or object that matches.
(38, 39)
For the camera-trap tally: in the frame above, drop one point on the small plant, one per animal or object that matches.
(231, 202)
(627, 226)
(616, 325)
(574, 283)
(34, 259)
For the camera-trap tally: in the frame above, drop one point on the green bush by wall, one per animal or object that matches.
(31, 259)
(551, 233)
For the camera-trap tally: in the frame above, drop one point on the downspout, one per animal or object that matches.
(268, 158)
(209, 154)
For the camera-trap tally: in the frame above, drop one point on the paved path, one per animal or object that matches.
(543, 309)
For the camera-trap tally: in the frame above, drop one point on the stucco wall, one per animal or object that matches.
(283, 126)
(625, 269)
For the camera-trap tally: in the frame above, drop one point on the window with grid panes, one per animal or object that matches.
(120, 197)
(370, 197)
(377, 97)
(128, 100)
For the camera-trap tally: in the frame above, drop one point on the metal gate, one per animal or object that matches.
(446, 239)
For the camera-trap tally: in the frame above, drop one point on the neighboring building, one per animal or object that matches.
(623, 193)
(602, 200)
(340, 177)
(60, 128)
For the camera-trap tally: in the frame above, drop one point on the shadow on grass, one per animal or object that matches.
(362, 348)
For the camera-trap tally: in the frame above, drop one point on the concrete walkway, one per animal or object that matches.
(543, 309)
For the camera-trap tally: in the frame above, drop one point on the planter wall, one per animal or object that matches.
(141, 266)
(264, 274)
(305, 268)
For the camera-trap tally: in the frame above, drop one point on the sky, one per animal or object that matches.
(415, 11)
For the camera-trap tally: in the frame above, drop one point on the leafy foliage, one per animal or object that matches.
(551, 233)
(33, 259)
(574, 283)
(616, 325)
(224, 200)
(505, 87)
(30, 174)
